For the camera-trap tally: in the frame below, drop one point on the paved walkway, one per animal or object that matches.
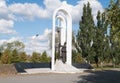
(108, 76)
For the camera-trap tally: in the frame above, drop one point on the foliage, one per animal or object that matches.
(86, 33)
(1, 51)
(76, 57)
(19, 46)
(44, 57)
(100, 42)
(10, 52)
(35, 57)
(97, 42)
(5, 59)
(23, 57)
(14, 58)
(113, 17)
(13, 53)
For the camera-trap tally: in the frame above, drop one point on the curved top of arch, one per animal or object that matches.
(60, 17)
(64, 9)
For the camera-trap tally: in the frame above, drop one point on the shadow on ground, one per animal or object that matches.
(20, 67)
(106, 76)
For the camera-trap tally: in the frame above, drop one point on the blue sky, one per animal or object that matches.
(23, 19)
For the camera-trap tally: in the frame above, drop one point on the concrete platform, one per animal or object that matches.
(48, 70)
(38, 70)
(65, 68)
(60, 67)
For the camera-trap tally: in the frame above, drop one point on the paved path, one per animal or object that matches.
(41, 78)
(110, 76)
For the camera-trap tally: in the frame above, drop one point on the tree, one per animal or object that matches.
(14, 58)
(113, 14)
(23, 57)
(86, 33)
(5, 59)
(100, 41)
(14, 48)
(1, 51)
(19, 46)
(76, 57)
(76, 51)
(44, 57)
(35, 57)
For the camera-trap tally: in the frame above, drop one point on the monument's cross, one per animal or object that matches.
(62, 20)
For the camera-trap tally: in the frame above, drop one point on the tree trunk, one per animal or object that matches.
(101, 63)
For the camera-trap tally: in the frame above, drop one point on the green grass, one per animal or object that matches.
(105, 67)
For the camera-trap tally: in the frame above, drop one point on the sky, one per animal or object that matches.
(22, 19)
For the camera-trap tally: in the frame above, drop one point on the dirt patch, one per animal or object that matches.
(7, 69)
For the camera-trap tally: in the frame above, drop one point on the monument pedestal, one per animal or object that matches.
(62, 22)
(61, 67)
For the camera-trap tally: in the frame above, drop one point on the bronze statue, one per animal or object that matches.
(63, 51)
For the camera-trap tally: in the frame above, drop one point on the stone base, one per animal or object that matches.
(61, 67)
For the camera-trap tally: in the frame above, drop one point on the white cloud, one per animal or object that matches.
(6, 19)
(38, 43)
(10, 40)
(2, 41)
(43, 37)
(5, 12)
(49, 4)
(32, 10)
(50, 7)
(6, 26)
(27, 10)
(15, 39)
(2, 3)
(77, 10)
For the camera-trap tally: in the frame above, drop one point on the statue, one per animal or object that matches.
(63, 51)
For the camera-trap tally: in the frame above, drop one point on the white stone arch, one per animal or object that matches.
(63, 30)
(65, 10)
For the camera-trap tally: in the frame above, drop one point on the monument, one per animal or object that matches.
(62, 24)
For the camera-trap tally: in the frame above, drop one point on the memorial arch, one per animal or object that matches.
(62, 20)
